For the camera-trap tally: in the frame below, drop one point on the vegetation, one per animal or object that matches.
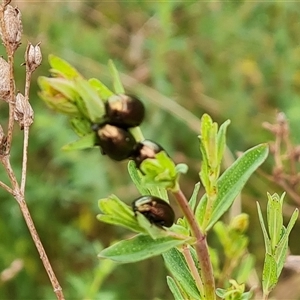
(236, 61)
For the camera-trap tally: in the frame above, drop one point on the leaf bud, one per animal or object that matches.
(240, 223)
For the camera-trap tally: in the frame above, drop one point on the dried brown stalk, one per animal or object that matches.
(20, 111)
(286, 158)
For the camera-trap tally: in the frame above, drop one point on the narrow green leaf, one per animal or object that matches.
(204, 171)
(231, 183)
(174, 289)
(264, 230)
(282, 247)
(61, 85)
(176, 264)
(62, 68)
(87, 141)
(269, 277)
(193, 199)
(221, 140)
(103, 91)
(81, 126)
(281, 254)
(92, 101)
(115, 211)
(221, 293)
(275, 219)
(118, 86)
(290, 226)
(138, 248)
(245, 268)
(136, 178)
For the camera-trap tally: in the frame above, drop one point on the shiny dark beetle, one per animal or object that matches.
(117, 143)
(124, 111)
(156, 210)
(145, 149)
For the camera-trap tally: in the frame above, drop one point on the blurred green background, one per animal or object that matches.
(235, 60)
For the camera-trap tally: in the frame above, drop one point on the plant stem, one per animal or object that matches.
(26, 214)
(265, 296)
(19, 196)
(201, 247)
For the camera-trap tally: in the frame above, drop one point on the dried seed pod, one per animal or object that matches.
(4, 79)
(23, 111)
(33, 56)
(11, 29)
(117, 143)
(156, 210)
(124, 111)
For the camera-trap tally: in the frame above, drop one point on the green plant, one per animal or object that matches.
(184, 245)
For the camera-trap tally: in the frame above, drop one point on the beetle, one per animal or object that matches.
(117, 143)
(156, 210)
(124, 111)
(145, 149)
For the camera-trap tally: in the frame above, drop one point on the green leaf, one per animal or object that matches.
(81, 126)
(93, 103)
(160, 171)
(62, 68)
(115, 211)
(245, 268)
(222, 233)
(282, 247)
(221, 293)
(61, 85)
(181, 168)
(103, 91)
(138, 248)
(84, 142)
(209, 131)
(178, 267)
(264, 230)
(174, 289)
(269, 277)
(221, 140)
(274, 219)
(154, 231)
(193, 199)
(136, 177)
(281, 253)
(247, 295)
(231, 183)
(118, 86)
